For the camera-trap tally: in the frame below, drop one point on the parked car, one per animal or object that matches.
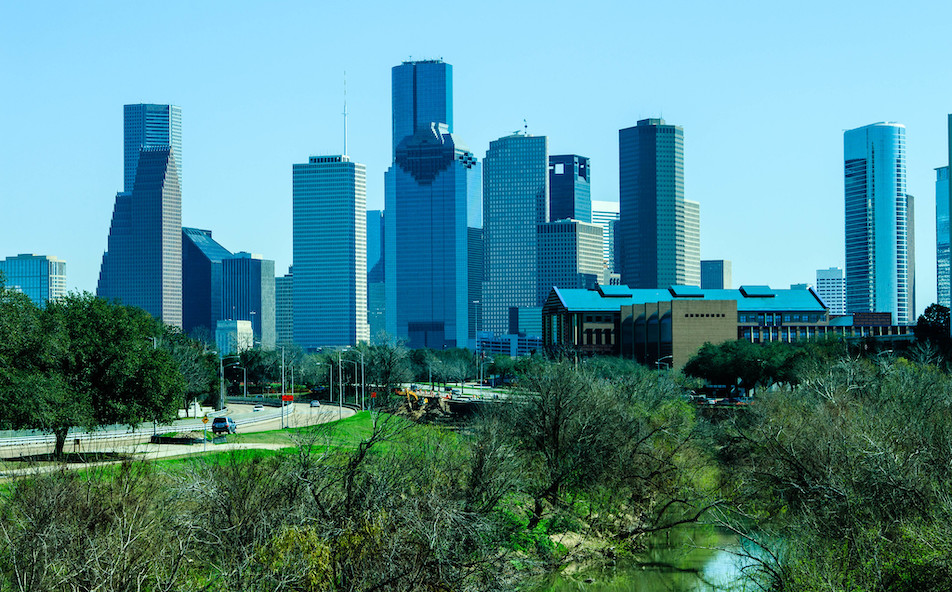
(224, 425)
(315, 403)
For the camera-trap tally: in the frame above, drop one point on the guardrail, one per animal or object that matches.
(141, 432)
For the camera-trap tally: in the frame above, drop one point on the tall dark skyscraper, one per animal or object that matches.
(247, 294)
(432, 193)
(658, 243)
(422, 94)
(201, 280)
(143, 262)
(570, 193)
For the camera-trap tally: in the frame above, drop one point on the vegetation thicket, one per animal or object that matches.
(837, 476)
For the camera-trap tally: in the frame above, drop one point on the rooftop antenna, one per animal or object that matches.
(345, 112)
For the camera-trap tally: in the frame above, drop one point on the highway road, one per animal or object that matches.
(139, 447)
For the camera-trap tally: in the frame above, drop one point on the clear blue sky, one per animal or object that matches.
(763, 92)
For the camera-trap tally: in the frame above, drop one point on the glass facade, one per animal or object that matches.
(942, 253)
(422, 94)
(428, 193)
(658, 241)
(201, 280)
(142, 265)
(716, 274)
(146, 125)
(284, 308)
(570, 193)
(605, 214)
(330, 252)
(516, 190)
(877, 223)
(40, 277)
(247, 294)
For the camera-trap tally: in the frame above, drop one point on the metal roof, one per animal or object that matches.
(750, 298)
(206, 244)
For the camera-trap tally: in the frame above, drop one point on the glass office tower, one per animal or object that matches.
(570, 193)
(878, 258)
(40, 277)
(942, 254)
(427, 242)
(516, 185)
(146, 125)
(659, 232)
(247, 294)
(142, 265)
(330, 252)
(422, 94)
(432, 205)
(201, 280)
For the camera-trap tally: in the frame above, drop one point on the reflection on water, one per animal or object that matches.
(693, 559)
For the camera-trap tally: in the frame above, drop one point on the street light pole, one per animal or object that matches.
(282, 386)
(340, 382)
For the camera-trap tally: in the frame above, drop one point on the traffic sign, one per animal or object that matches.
(205, 419)
(287, 397)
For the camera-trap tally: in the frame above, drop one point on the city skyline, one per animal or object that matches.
(751, 118)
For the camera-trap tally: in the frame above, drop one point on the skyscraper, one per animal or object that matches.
(142, 265)
(570, 194)
(247, 294)
(516, 189)
(569, 256)
(831, 288)
(942, 254)
(146, 125)
(422, 94)
(605, 214)
(877, 222)
(40, 277)
(716, 274)
(201, 280)
(376, 285)
(431, 198)
(284, 308)
(658, 243)
(330, 252)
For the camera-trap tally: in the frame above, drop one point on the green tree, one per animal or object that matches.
(97, 365)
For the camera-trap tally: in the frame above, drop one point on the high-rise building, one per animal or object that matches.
(831, 288)
(942, 254)
(330, 252)
(516, 188)
(248, 294)
(142, 265)
(570, 193)
(201, 280)
(428, 190)
(376, 276)
(605, 214)
(422, 95)
(149, 126)
(716, 275)
(569, 256)
(878, 255)
(284, 308)
(432, 192)
(658, 241)
(40, 277)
